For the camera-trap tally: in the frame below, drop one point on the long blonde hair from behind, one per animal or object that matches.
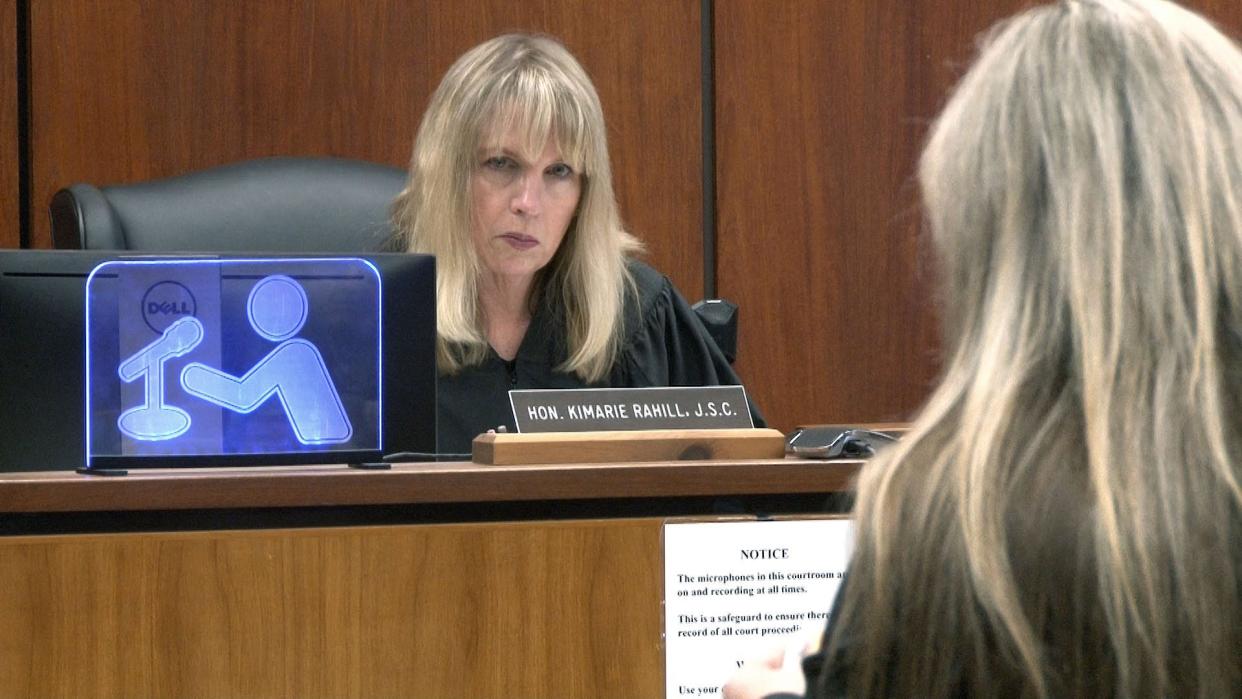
(1064, 517)
(534, 84)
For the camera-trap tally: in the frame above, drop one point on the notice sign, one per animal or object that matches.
(662, 408)
(734, 590)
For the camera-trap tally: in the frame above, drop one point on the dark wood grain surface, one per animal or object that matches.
(461, 482)
(10, 148)
(132, 91)
(822, 108)
(1227, 14)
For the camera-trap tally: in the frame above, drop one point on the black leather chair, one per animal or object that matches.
(265, 205)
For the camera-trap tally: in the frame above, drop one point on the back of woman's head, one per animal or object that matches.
(1073, 484)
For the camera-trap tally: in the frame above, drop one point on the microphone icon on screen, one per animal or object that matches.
(154, 420)
(294, 373)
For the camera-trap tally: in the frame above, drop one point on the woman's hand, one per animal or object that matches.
(779, 670)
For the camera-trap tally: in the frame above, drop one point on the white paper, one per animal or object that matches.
(734, 590)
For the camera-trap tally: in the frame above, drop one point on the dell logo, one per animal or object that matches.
(165, 302)
(169, 308)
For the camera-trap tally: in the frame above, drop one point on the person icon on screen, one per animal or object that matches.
(155, 420)
(294, 371)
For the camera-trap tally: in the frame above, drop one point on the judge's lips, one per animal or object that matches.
(520, 241)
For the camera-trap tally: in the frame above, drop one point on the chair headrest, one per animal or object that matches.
(270, 204)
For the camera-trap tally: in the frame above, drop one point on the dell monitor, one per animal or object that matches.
(112, 360)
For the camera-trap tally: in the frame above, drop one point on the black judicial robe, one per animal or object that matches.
(664, 344)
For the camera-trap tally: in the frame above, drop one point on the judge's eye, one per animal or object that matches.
(560, 171)
(500, 162)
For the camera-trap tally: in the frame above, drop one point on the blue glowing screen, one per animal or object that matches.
(229, 357)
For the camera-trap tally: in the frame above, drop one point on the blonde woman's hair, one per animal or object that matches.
(1064, 517)
(531, 83)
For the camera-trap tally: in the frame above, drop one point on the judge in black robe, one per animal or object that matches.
(664, 344)
(510, 188)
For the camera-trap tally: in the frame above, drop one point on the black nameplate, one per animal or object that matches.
(587, 409)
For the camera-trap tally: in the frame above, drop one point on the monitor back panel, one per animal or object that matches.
(42, 309)
(221, 361)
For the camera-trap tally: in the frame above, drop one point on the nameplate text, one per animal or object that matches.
(589, 409)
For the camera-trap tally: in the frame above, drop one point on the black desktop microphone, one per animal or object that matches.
(720, 318)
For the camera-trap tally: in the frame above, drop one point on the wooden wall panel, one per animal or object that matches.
(820, 112)
(543, 609)
(10, 150)
(822, 108)
(1227, 14)
(127, 91)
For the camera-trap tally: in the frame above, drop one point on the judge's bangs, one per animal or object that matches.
(540, 102)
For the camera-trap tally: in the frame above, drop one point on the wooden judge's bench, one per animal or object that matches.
(427, 580)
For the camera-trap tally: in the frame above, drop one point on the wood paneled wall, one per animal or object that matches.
(10, 207)
(820, 109)
(127, 91)
(817, 136)
(542, 609)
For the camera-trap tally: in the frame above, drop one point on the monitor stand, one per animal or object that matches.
(101, 471)
(371, 466)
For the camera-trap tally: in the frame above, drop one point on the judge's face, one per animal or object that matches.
(522, 205)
